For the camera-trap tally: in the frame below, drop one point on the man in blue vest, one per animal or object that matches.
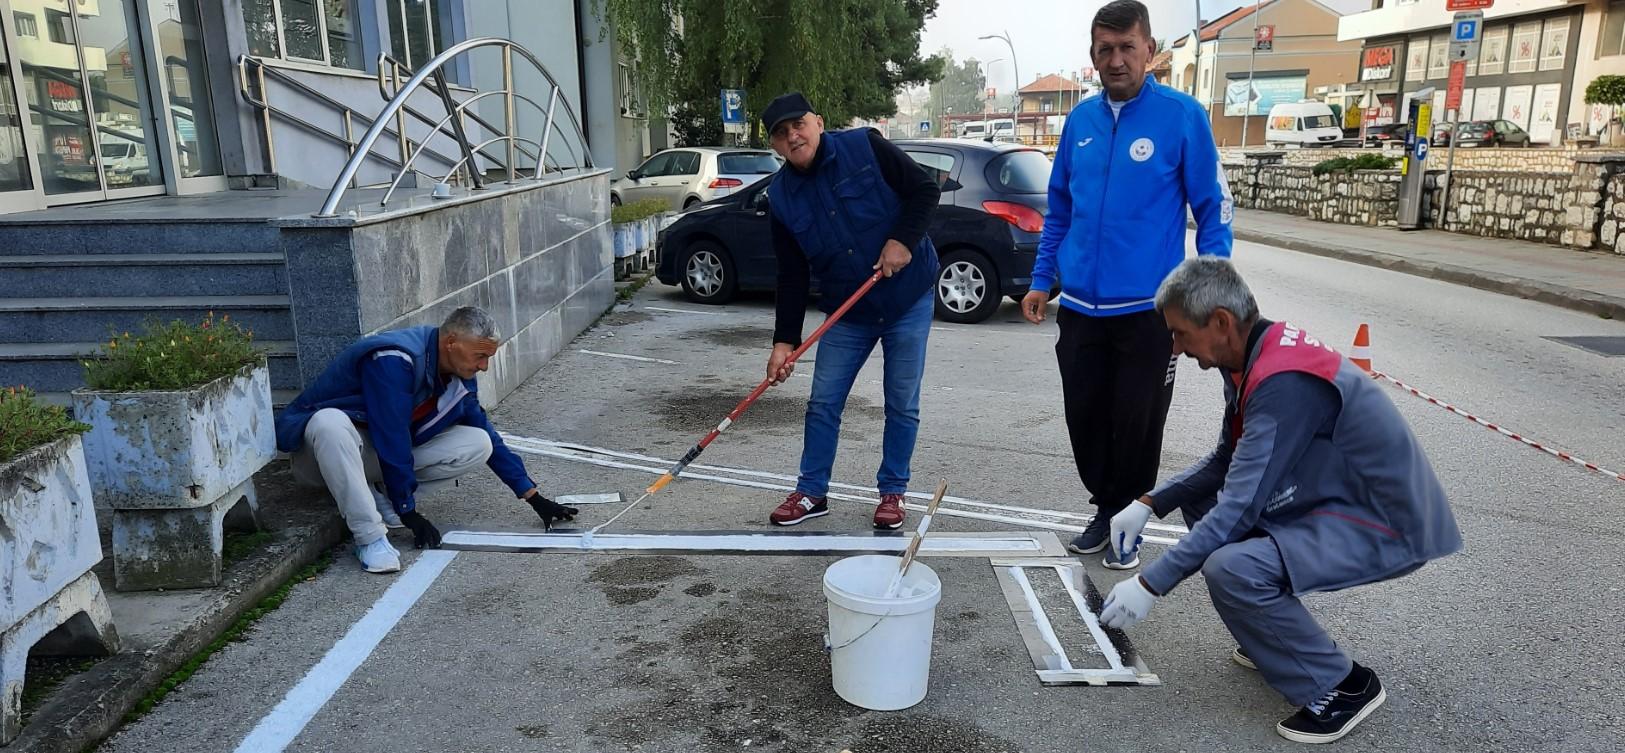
(397, 413)
(1317, 484)
(1128, 164)
(845, 204)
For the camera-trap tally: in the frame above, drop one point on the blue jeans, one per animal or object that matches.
(841, 354)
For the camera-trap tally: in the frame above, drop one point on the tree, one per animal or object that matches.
(961, 87)
(1608, 90)
(850, 57)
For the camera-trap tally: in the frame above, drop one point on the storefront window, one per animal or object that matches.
(1554, 44)
(1525, 38)
(1492, 53)
(190, 108)
(1416, 59)
(1612, 41)
(1439, 57)
(13, 158)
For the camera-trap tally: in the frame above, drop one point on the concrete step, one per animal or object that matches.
(70, 275)
(58, 365)
(40, 320)
(113, 238)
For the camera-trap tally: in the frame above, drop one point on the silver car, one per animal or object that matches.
(692, 175)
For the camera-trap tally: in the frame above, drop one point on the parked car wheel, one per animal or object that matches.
(692, 200)
(614, 200)
(967, 288)
(708, 274)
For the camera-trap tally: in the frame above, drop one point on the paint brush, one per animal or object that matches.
(914, 546)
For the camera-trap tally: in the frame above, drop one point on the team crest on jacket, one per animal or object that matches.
(1142, 149)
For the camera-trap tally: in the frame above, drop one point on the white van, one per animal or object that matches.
(1302, 124)
(973, 130)
(1002, 127)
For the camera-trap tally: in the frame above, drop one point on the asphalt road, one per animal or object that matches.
(1512, 644)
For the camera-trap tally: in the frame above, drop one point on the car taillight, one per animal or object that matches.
(1020, 215)
(727, 183)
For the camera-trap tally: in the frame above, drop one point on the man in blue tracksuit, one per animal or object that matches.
(399, 412)
(1317, 484)
(1128, 164)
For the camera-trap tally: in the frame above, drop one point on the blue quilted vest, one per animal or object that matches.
(842, 215)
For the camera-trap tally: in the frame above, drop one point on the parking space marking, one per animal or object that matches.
(284, 723)
(626, 357)
(686, 311)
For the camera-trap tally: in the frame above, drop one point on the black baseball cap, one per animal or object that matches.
(785, 107)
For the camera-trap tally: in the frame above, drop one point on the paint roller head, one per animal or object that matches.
(660, 483)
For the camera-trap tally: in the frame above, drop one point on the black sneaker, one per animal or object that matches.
(1337, 713)
(1094, 538)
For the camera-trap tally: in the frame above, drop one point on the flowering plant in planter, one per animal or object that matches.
(27, 423)
(174, 356)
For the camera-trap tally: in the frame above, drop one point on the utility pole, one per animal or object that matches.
(1252, 56)
(1196, 39)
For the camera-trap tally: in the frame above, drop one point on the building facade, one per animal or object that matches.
(1536, 58)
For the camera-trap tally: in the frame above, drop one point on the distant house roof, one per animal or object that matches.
(1212, 30)
(1051, 83)
(1164, 61)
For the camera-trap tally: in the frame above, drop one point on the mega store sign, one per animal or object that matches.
(1377, 63)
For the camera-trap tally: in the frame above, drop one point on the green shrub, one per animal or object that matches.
(173, 356)
(1606, 90)
(1349, 165)
(638, 210)
(26, 423)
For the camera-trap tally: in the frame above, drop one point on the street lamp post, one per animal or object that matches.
(1016, 68)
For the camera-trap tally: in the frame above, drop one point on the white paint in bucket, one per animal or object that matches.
(881, 648)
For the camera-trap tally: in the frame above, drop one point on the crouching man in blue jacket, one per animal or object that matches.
(396, 413)
(1317, 484)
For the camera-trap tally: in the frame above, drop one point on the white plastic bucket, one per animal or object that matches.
(881, 648)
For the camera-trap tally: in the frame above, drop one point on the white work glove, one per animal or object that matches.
(1126, 528)
(1129, 602)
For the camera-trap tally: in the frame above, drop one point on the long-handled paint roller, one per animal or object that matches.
(914, 546)
(733, 415)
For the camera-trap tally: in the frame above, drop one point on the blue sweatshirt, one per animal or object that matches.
(1117, 198)
(390, 384)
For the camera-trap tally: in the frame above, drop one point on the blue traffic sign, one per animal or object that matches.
(733, 106)
(1421, 149)
(1465, 31)
(925, 126)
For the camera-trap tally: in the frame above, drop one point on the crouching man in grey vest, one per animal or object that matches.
(1317, 484)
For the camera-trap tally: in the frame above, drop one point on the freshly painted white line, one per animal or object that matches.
(686, 311)
(1045, 629)
(279, 728)
(521, 446)
(995, 333)
(627, 357)
(1015, 544)
(950, 499)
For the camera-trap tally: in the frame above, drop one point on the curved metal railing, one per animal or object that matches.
(515, 146)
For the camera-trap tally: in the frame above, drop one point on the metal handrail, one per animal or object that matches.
(398, 102)
(261, 102)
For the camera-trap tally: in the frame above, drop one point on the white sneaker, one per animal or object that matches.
(386, 510)
(379, 557)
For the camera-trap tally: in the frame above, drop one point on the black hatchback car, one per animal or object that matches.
(986, 228)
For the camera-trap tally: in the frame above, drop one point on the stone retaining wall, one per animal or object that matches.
(1582, 207)
(1535, 160)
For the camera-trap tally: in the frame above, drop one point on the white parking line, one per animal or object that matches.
(686, 311)
(996, 333)
(279, 728)
(627, 357)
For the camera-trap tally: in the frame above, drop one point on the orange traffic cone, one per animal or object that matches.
(1360, 354)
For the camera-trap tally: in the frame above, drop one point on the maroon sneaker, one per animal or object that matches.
(796, 508)
(890, 512)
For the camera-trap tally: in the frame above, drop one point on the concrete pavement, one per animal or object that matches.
(1501, 647)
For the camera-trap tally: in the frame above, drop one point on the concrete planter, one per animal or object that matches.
(625, 235)
(171, 465)
(48, 544)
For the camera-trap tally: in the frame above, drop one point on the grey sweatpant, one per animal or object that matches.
(338, 455)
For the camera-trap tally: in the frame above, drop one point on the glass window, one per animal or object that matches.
(1525, 37)
(59, 26)
(937, 165)
(747, 163)
(656, 166)
(13, 159)
(26, 26)
(259, 18)
(1612, 40)
(1439, 57)
(685, 163)
(1492, 51)
(1416, 59)
(302, 29)
(190, 107)
(411, 32)
(1024, 171)
(1554, 44)
(343, 36)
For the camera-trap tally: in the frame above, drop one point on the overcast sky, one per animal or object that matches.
(1051, 36)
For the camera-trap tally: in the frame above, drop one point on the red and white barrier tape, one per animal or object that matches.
(1559, 454)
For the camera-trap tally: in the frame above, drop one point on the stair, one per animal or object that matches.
(66, 288)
